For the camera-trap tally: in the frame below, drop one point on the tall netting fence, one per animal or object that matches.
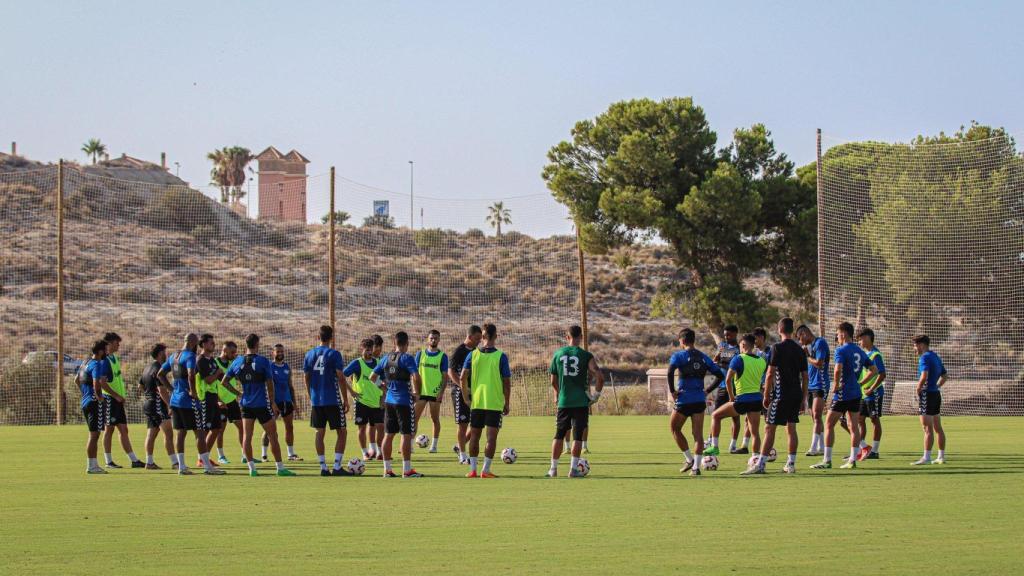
(154, 260)
(28, 292)
(928, 237)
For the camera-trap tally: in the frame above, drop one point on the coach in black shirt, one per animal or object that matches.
(785, 392)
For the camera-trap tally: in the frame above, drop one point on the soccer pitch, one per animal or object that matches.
(634, 514)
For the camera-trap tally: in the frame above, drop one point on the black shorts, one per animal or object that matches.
(331, 415)
(399, 418)
(231, 412)
(816, 393)
(260, 413)
(211, 412)
(183, 418)
(427, 399)
(479, 418)
(114, 411)
(844, 406)
(872, 407)
(368, 415)
(721, 398)
(929, 403)
(691, 408)
(461, 409)
(744, 407)
(576, 418)
(155, 412)
(94, 416)
(287, 407)
(784, 410)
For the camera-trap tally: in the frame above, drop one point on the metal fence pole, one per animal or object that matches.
(331, 259)
(821, 275)
(59, 361)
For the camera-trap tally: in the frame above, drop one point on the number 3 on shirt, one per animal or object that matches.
(570, 366)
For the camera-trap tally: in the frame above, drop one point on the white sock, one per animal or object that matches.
(387, 465)
(133, 457)
(573, 462)
(585, 445)
(927, 454)
(109, 457)
(93, 463)
(291, 451)
(406, 466)
(757, 459)
(323, 461)
(280, 465)
(263, 452)
(472, 464)
(462, 455)
(688, 455)
(714, 441)
(863, 444)
(252, 465)
(816, 443)
(746, 441)
(487, 464)
(732, 444)
(565, 446)
(942, 454)
(874, 447)
(791, 459)
(374, 449)
(433, 444)
(554, 464)
(828, 454)
(181, 460)
(205, 459)
(220, 453)
(149, 459)
(364, 453)
(339, 457)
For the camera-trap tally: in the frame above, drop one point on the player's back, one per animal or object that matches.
(853, 359)
(570, 364)
(322, 363)
(789, 360)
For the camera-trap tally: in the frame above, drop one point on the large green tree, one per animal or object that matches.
(647, 170)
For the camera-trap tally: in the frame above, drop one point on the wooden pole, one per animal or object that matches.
(583, 290)
(60, 293)
(331, 262)
(821, 220)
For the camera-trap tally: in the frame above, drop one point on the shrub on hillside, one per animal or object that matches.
(475, 234)
(206, 234)
(163, 256)
(433, 240)
(28, 393)
(179, 209)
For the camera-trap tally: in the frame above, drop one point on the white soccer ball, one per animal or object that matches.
(422, 440)
(356, 466)
(509, 455)
(772, 455)
(709, 463)
(583, 467)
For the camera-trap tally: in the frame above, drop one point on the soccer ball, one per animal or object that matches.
(583, 467)
(356, 466)
(509, 455)
(710, 463)
(422, 441)
(772, 455)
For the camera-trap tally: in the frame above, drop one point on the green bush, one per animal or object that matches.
(433, 240)
(163, 256)
(206, 234)
(179, 209)
(28, 392)
(475, 234)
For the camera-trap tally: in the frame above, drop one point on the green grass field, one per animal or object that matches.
(634, 514)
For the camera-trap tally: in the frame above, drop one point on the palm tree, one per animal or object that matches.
(93, 147)
(228, 171)
(498, 215)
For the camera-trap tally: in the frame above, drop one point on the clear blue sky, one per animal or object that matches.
(476, 92)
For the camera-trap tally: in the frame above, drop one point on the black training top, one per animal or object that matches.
(789, 360)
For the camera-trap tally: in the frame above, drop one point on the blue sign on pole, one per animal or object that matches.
(381, 208)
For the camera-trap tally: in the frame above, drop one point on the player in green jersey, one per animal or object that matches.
(114, 406)
(369, 410)
(571, 370)
(230, 411)
(433, 367)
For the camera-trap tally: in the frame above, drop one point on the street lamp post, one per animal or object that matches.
(412, 213)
